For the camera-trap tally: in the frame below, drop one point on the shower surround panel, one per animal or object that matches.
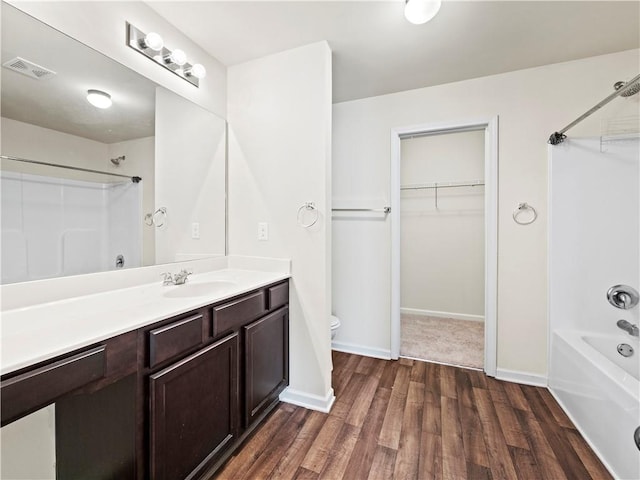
(594, 244)
(54, 227)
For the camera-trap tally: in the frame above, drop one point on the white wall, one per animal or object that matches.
(189, 178)
(102, 26)
(279, 158)
(52, 146)
(442, 248)
(28, 447)
(531, 104)
(139, 161)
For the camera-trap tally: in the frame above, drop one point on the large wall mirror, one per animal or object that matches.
(71, 200)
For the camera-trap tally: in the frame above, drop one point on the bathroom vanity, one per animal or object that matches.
(171, 398)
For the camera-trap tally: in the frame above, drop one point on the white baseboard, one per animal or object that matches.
(361, 350)
(308, 400)
(433, 313)
(522, 377)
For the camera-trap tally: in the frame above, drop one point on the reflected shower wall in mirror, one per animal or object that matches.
(60, 221)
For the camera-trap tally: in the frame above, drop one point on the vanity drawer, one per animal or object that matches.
(29, 391)
(233, 315)
(278, 295)
(173, 339)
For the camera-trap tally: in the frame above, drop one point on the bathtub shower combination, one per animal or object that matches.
(594, 269)
(53, 226)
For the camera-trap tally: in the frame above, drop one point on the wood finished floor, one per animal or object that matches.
(408, 419)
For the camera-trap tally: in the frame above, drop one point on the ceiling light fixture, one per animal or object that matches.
(421, 11)
(99, 99)
(152, 46)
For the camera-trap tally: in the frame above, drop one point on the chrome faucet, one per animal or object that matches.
(179, 278)
(630, 328)
(623, 296)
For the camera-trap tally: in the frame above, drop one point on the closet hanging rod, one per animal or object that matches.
(134, 179)
(630, 86)
(442, 185)
(380, 210)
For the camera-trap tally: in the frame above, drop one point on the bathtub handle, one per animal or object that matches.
(623, 296)
(636, 437)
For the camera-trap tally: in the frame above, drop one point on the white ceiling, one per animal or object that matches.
(376, 51)
(59, 103)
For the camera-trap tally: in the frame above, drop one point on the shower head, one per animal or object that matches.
(116, 161)
(635, 88)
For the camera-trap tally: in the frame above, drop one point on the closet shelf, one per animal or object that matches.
(436, 185)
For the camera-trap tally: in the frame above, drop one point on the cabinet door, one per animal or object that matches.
(266, 362)
(194, 411)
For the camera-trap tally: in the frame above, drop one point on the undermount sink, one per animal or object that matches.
(199, 289)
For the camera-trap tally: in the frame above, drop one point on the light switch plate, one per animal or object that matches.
(195, 230)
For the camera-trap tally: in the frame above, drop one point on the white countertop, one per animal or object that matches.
(39, 332)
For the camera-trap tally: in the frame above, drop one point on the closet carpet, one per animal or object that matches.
(443, 340)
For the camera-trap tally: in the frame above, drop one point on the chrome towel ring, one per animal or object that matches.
(307, 206)
(524, 207)
(156, 218)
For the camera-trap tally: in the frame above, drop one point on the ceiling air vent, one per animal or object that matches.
(28, 68)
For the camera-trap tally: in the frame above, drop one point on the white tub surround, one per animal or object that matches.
(594, 238)
(33, 331)
(600, 397)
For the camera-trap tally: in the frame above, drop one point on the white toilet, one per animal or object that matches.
(335, 325)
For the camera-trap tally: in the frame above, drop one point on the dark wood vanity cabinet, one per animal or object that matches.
(194, 410)
(204, 404)
(168, 401)
(266, 362)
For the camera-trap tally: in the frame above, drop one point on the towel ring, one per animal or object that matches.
(302, 209)
(521, 208)
(150, 218)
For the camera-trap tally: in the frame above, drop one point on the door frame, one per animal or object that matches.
(490, 127)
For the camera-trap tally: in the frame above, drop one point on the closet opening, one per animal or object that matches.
(444, 244)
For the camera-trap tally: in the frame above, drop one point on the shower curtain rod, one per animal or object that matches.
(559, 136)
(134, 179)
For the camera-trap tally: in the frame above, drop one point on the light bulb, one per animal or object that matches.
(152, 41)
(197, 70)
(99, 98)
(421, 11)
(177, 57)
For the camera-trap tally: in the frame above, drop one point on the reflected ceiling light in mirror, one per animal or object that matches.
(152, 46)
(421, 11)
(99, 99)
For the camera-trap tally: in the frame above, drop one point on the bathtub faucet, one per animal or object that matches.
(630, 328)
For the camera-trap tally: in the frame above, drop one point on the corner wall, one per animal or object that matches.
(531, 104)
(279, 111)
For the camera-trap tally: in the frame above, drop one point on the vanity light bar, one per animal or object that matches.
(174, 61)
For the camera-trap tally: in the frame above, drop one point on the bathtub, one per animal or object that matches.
(599, 389)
